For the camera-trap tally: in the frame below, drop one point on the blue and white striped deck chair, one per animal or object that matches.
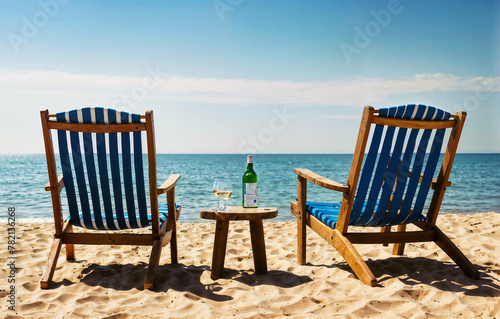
(389, 181)
(103, 174)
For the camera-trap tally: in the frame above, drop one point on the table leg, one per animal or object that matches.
(258, 246)
(219, 254)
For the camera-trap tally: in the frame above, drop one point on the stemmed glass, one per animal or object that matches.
(224, 192)
(215, 188)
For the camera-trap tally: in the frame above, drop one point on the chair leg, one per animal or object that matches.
(353, 259)
(50, 266)
(173, 245)
(454, 253)
(399, 248)
(70, 248)
(154, 261)
(301, 221)
(385, 230)
(301, 240)
(154, 258)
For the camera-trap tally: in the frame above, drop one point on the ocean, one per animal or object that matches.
(475, 182)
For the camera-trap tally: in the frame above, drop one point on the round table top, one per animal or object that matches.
(240, 213)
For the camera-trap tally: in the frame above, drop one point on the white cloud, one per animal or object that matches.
(49, 86)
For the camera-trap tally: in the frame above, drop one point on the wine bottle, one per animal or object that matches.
(250, 189)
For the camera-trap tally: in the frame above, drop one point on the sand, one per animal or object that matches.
(106, 282)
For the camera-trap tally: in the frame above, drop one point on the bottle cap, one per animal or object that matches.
(250, 159)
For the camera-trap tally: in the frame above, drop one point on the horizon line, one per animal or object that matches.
(245, 154)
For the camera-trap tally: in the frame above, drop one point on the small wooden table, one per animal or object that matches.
(255, 217)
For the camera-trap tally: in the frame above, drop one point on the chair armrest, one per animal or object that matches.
(169, 184)
(60, 184)
(321, 181)
(433, 183)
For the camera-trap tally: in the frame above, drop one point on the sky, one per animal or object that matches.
(248, 76)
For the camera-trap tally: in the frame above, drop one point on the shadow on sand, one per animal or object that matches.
(442, 275)
(178, 277)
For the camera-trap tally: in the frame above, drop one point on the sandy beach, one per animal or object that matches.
(106, 282)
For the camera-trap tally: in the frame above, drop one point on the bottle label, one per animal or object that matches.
(250, 198)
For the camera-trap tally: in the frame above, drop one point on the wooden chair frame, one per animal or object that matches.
(160, 235)
(343, 240)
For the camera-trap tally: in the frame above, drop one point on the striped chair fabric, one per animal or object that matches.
(391, 154)
(103, 193)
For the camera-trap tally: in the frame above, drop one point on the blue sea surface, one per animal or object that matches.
(475, 182)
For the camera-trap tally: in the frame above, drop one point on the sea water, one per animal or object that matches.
(475, 182)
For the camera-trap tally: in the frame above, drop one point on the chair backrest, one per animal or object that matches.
(101, 157)
(386, 194)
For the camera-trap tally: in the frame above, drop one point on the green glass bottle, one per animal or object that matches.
(250, 188)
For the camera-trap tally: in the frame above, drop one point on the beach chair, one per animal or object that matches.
(101, 159)
(387, 186)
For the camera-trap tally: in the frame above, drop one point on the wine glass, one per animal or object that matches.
(224, 192)
(215, 188)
